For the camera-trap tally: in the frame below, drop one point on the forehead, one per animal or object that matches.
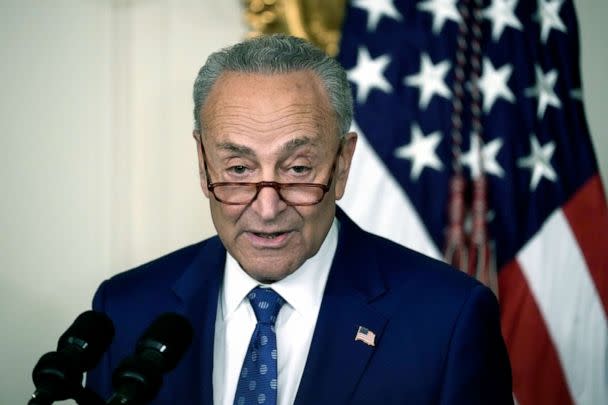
(272, 88)
(267, 106)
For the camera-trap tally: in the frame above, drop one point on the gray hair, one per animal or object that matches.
(277, 54)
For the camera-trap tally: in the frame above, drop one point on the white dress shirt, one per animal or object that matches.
(235, 322)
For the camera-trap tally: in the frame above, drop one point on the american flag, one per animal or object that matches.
(366, 336)
(486, 96)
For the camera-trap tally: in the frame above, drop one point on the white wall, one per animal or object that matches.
(99, 169)
(593, 30)
(54, 212)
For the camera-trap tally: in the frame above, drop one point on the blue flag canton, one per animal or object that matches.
(401, 58)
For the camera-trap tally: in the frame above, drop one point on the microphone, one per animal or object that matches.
(58, 375)
(138, 378)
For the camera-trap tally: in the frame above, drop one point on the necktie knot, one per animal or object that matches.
(266, 304)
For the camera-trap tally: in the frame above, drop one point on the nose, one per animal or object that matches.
(268, 203)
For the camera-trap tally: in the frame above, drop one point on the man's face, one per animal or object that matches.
(279, 127)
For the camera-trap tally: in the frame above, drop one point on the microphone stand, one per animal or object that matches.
(88, 397)
(40, 397)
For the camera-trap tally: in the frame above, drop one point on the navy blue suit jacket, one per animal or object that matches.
(438, 337)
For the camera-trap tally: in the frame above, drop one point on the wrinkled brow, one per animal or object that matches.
(287, 147)
(296, 143)
(236, 149)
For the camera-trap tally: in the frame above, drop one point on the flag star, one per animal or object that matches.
(442, 10)
(543, 89)
(479, 157)
(421, 151)
(368, 74)
(376, 9)
(430, 80)
(539, 161)
(548, 17)
(493, 84)
(502, 14)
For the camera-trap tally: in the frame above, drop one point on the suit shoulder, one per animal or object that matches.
(162, 267)
(404, 264)
(418, 285)
(154, 275)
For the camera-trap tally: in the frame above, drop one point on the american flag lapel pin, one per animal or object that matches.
(366, 336)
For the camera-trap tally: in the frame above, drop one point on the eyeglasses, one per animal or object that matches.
(242, 193)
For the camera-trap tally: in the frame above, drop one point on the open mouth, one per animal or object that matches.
(268, 235)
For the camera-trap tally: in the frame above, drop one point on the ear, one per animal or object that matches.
(344, 161)
(198, 138)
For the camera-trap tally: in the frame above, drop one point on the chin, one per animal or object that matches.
(260, 271)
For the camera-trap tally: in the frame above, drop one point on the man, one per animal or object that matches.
(343, 316)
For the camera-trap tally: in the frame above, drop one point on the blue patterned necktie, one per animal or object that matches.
(258, 379)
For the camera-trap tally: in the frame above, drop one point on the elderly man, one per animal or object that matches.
(292, 302)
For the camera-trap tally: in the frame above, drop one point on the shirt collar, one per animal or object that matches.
(303, 289)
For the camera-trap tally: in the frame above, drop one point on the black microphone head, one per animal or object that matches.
(167, 338)
(89, 336)
(136, 380)
(58, 375)
(139, 377)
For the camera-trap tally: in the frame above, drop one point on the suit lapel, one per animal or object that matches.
(335, 360)
(198, 291)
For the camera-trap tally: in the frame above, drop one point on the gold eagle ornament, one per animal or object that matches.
(318, 21)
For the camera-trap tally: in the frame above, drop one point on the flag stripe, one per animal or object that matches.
(372, 185)
(570, 305)
(588, 218)
(530, 347)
